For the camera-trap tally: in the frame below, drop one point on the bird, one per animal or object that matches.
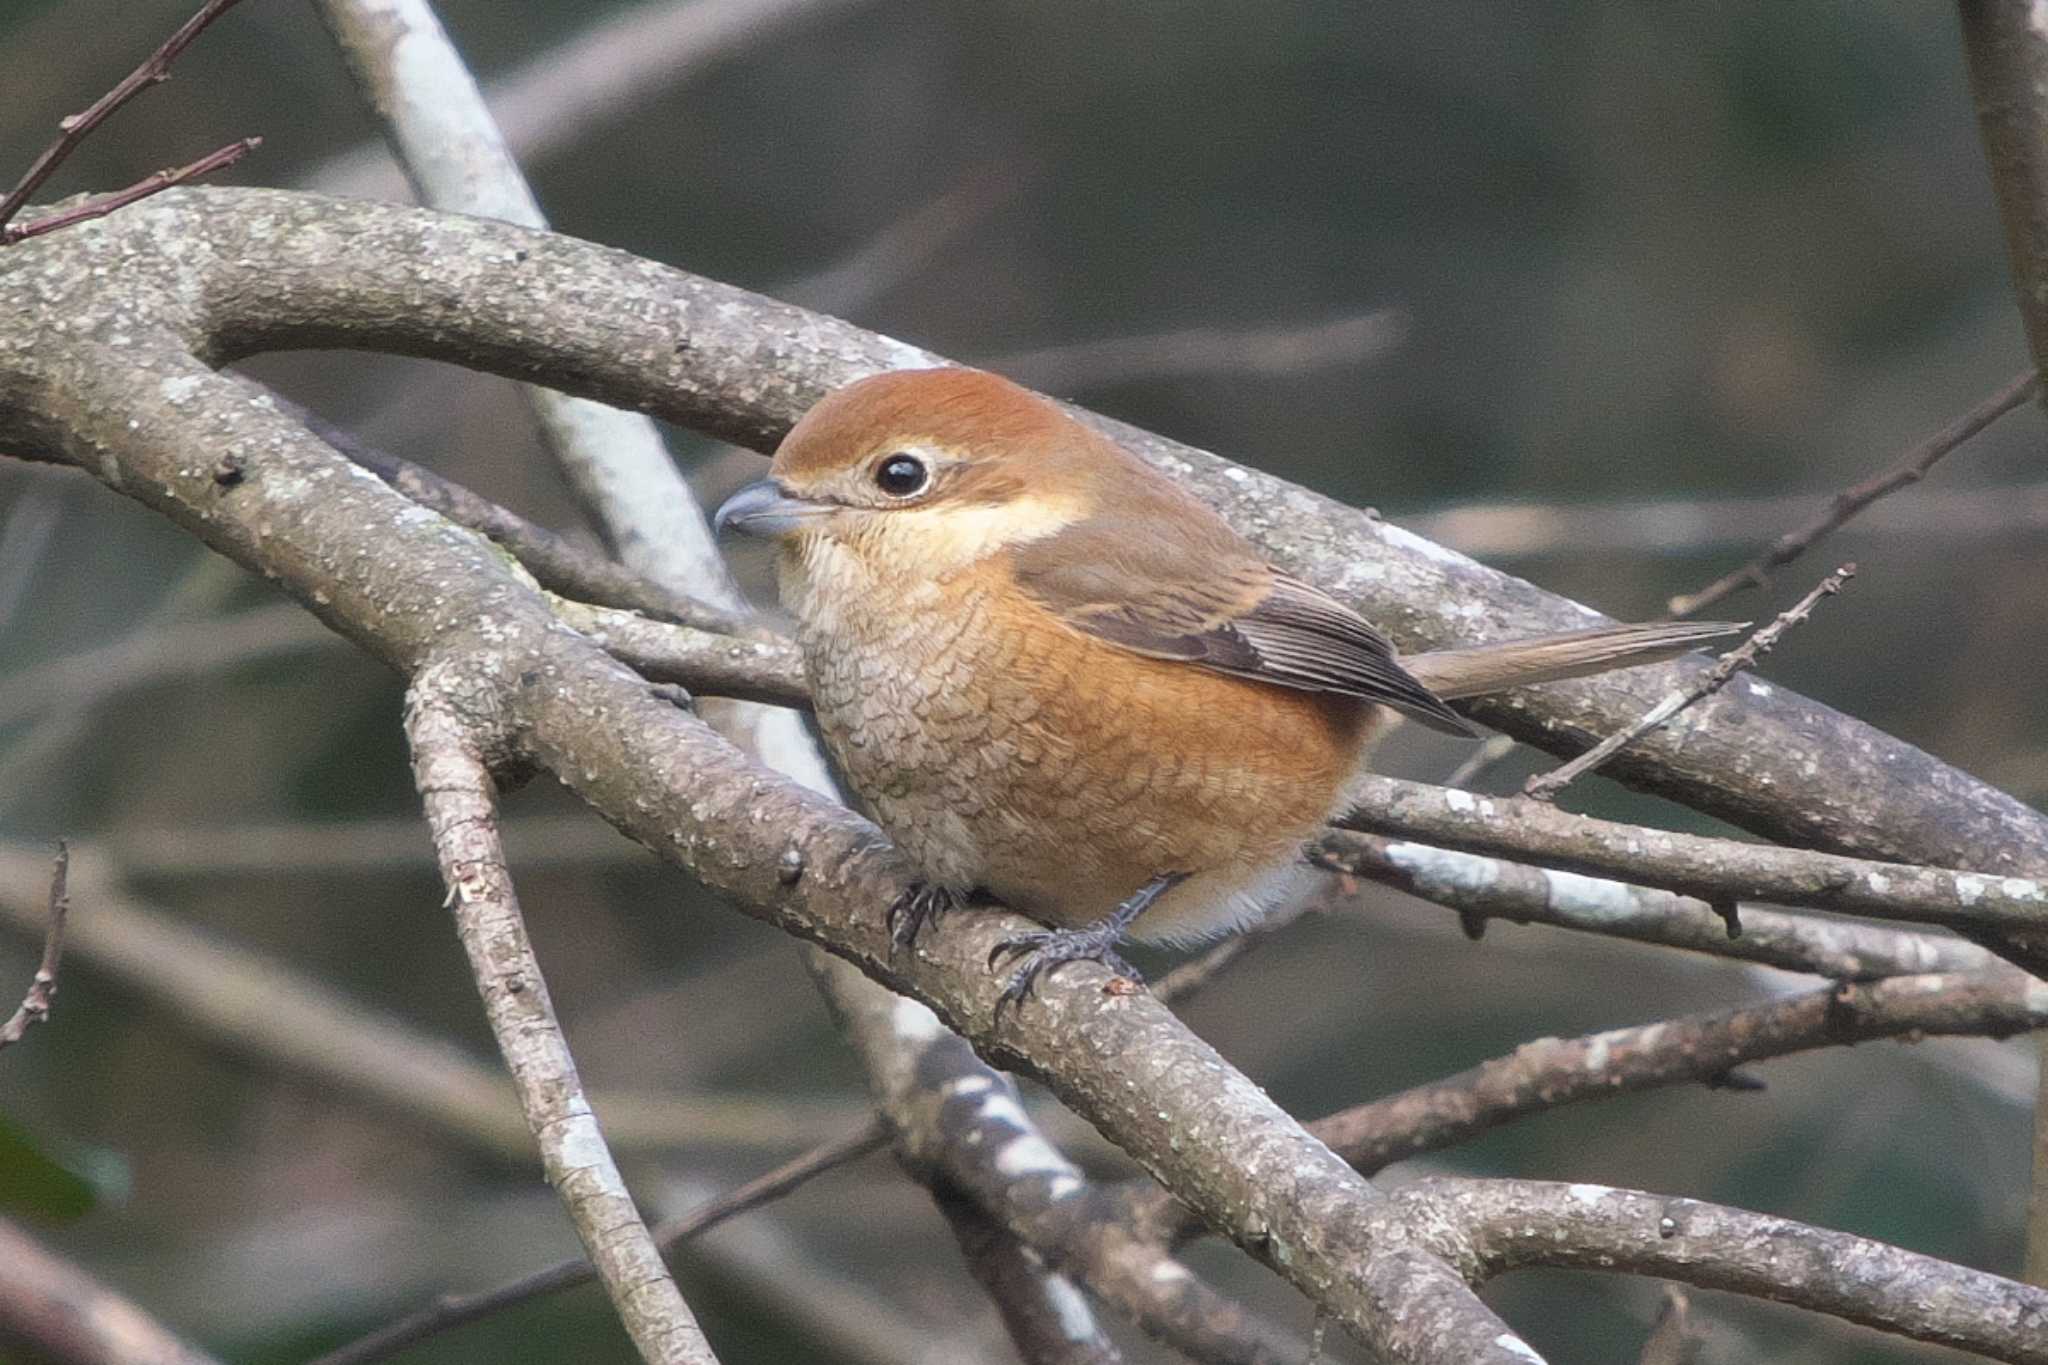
(1058, 680)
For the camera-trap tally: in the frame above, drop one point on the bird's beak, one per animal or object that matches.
(764, 508)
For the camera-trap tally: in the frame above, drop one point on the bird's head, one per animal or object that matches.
(921, 473)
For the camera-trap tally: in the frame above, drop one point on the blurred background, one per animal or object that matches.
(1609, 295)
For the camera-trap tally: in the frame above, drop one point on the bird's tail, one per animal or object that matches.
(1478, 669)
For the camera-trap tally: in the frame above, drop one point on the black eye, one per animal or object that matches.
(901, 475)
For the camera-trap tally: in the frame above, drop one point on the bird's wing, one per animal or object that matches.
(1208, 601)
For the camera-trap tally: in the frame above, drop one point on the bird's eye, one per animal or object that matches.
(901, 475)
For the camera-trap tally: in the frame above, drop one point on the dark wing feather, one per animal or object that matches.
(1206, 599)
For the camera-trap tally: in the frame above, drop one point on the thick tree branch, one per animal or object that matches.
(458, 794)
(1491, 1226)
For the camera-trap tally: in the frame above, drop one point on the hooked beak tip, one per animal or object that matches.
(763, 508)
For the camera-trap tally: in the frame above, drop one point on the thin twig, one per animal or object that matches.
(455, 1310)
(155, 69)
(1496, 748)
(155, 183)
(1910, 469)
(555, 561)
(1546, 786)
(35, 1006)
(459, 797)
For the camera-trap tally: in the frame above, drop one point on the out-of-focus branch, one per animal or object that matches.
(42, 988)
(1203, 352)
(60, 1312)
(1048, 1321)
(1850, 502)
(258, 1007)
(1933, 516)
(1480, 888)
(457, 793)
(155, 69)
(1546, 786)
(599, 76)
(165, 654)
(2008, 61)
(454, 1310)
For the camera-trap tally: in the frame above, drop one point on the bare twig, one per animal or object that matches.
(1496, 748)
(61, 1314)
(1718, 871)
(255, 1006)
(35, 1006)
(458, 795)
(155, 69)
(1912, 467)
(757, 667)
(616, 68)
(1546, 786)
(1551, 1072)
(454, 1310)
(1480, 889)
(555, 561)
(99, 206)
(1198, 352)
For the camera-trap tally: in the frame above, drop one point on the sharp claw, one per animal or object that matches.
(919, 905)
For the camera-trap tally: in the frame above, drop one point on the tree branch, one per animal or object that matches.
(155, 69)
(1492, 1226)
(57, 1310)
(454, 1310)
(1912, 467)
(602, 323)
(1718, 871)
(35, 1006)
(1550, 1073)
(399, 583)
(1546, 786)
(456, 789)
(1480, 888)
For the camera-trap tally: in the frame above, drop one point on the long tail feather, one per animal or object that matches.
(1478, 669)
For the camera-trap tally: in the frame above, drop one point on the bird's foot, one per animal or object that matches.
(1044, 951)
(921, 904)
